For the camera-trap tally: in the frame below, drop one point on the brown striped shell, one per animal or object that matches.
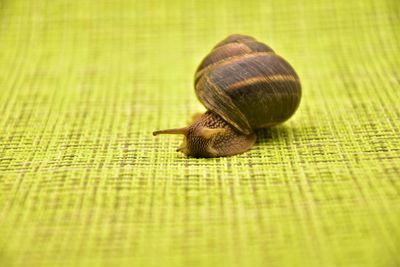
(248, 84)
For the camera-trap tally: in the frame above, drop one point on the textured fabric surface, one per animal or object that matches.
(84, 183)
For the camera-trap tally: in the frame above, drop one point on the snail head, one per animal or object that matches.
(203, 140)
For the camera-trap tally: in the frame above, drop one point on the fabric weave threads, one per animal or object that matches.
(84, 183)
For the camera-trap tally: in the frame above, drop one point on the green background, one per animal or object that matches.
(84, 183)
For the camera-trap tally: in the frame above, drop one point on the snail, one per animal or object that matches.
(245, 86)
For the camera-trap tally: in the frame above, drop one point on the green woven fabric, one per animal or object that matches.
(84, 183)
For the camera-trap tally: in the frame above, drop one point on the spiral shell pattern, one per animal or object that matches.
(247, 84)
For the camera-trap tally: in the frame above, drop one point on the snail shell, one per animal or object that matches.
(247, 84)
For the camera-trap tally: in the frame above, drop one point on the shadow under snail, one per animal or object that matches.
(245, 86)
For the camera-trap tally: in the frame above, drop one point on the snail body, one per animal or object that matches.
(245, 86)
